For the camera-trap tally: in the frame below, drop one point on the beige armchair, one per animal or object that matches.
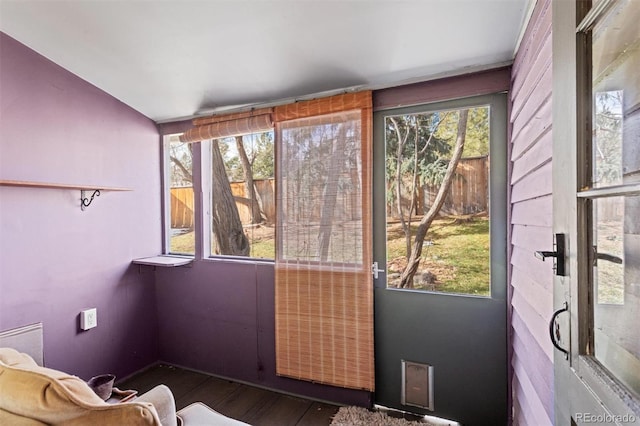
(35, 395)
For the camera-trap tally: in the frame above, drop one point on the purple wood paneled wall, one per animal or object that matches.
(531, 223)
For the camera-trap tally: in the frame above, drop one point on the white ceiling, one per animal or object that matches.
(170, 59)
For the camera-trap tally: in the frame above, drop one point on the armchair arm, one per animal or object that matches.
(162, 399)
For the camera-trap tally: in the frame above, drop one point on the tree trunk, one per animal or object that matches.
(330, 195)
(406, 280)
(227, 227)
(414, 185)
(249, 187)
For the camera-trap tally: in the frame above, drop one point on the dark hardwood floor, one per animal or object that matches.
(249, 404)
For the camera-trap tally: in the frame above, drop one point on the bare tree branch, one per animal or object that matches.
(433, 132)
(401, 143)
(249, 188)
(406, 280)
(185, 172)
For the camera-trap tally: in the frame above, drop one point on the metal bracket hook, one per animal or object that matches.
(84, 201)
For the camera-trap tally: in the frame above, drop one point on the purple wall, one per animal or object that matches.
(55, 259)
(218, 317)
(174, 127)
(461, 86)
(531, 223)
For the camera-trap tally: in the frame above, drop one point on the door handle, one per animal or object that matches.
(605, 256)
(554, 330)
(558, 255)
(375, 270)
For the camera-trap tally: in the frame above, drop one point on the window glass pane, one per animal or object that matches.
(420, 148)
(616, 96)
(182, 238)
(243, 200)
(609, 250)
(617, 287)
(320, 171)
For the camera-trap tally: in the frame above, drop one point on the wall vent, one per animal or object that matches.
(417, 385)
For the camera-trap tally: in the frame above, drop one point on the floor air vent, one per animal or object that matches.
(417, 385)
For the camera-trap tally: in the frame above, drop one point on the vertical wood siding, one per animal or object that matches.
(531, 223)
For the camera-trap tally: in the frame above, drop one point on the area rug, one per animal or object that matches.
(358, 416)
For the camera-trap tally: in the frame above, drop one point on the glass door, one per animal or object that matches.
(598, 207)
(440, 259)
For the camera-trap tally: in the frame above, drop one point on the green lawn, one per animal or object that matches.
(458, 258)
(183, 244)
(262, 243)
(457, 262)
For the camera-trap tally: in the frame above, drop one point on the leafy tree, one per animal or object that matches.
(263, 156)
(232, 165)
(477, 139)
(259, 151)
(412, 147)
(413, 261)
(433, 174)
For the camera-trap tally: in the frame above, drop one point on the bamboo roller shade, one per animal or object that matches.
(324, 313)
(262, 119)
(324, 326)
(229, 125)
(332, 104)
(233, 116)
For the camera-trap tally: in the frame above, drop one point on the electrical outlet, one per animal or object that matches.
(89, 318)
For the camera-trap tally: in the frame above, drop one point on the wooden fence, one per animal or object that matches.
(182, 203)
(469, 192)
(266, 197)
(182, 207)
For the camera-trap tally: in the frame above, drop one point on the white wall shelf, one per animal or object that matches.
(31, 184)
(84, 201)
(164, 261)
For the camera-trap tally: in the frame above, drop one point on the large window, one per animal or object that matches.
(238, 179)
(180, 221)
(242, 196)
(437, 200)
